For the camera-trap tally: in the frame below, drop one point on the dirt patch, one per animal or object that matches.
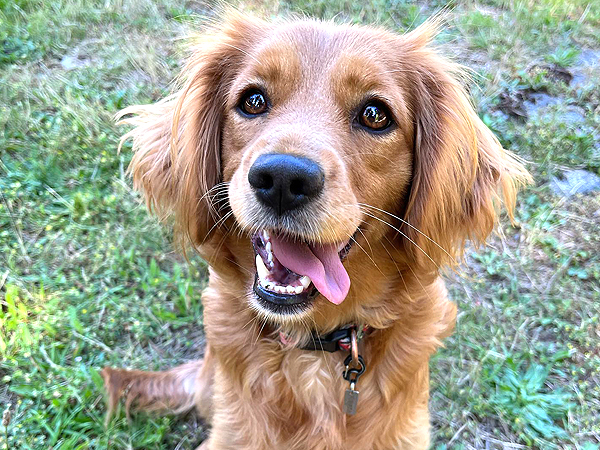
(585, 67)
(525, 103)
(575, 182)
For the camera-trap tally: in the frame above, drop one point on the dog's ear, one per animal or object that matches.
(461, 173)
(177, 140)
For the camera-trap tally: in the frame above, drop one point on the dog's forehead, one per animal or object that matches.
(314, 52)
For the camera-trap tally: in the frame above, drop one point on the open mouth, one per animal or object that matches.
(291, 273)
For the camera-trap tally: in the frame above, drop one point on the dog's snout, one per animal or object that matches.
(284, 182)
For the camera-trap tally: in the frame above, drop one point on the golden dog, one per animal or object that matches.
(326, 173)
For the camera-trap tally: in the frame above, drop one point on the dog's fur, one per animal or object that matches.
(417, 192)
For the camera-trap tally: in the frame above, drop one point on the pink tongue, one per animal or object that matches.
(320, 262)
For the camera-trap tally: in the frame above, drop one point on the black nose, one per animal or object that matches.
(285, 182)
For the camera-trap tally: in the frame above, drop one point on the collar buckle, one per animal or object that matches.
(330, 342)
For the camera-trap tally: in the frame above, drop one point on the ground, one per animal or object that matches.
(87, 278)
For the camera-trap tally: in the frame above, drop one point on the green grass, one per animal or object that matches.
(88, 279)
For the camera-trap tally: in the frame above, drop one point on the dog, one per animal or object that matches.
(326, 173)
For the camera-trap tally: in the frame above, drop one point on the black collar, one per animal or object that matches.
(330, 342)
(336, 340)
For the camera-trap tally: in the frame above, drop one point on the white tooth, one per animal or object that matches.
(270, 286)
(290, 289)
(268, 247)
(270, 257)
(266, 235)
(305, 280)
(299, 289)
(261, 268)
(280, 289)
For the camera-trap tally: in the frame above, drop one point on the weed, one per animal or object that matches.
(563, 57)
(528, 405)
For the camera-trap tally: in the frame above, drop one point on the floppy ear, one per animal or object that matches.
(461, 173)
(177, 140)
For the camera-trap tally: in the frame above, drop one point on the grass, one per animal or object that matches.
(88, 279)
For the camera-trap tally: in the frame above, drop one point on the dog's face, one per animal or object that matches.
(311, 135)
(315, 126)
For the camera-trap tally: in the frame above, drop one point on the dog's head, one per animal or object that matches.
(310, 136)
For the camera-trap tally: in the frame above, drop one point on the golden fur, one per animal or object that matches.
(417, 193)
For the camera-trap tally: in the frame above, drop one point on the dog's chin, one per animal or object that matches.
(279, 293)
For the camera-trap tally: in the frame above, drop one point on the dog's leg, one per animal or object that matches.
(177, 390)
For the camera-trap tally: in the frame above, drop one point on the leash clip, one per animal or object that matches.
(352, 374)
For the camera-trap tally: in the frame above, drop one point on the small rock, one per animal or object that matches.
(70, 62)
(589, 57)
(511, 103)
(585, 65)
(539, 100)
(575, 182)
(573, 115)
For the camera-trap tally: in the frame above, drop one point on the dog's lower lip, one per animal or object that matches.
(283, 303)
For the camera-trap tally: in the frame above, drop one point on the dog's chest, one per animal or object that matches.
(313, 387)
(314, 378)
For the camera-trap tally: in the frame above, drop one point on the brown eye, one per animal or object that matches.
(253, 103)
(375, 116)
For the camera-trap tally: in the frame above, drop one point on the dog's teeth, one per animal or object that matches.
(290, 289)
(270, 257)
(268, 247)
(261, 268)
(299, 289)
(266, 235)
(280, 289)
(305, 280)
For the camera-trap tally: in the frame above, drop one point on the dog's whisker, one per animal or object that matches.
(216, 187)
(252, 319)
(410, 225)
(404, 235)
(221, 243)
(260, 331)
(351, 238)
(221, 220)
(425, 291)
(240, 266)
(315, 345)
(365, 238)
(397, 268)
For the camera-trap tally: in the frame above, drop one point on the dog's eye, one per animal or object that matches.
(253, 103)
(375, 116)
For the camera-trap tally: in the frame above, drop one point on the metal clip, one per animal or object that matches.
(354, 346)
(352, 374)
(357, 372)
